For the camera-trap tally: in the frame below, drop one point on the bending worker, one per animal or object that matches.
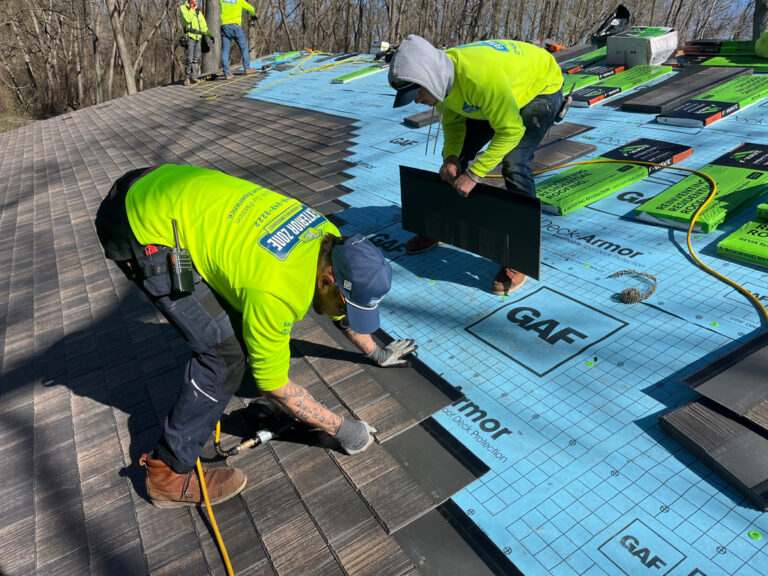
(194, 26)
(498, 92)
(260, 259)
(231, 18)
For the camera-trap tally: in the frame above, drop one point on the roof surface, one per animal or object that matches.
(581, 478)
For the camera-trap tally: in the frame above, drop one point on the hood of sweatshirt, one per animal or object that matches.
(417, 62)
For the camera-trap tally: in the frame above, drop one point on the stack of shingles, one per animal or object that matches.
(554, 150)
(728, 428)
(90, 370)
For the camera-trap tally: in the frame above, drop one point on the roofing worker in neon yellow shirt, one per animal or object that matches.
(498, 92)
(761, 45)
(260, 260)
(193, 22)
(231, 18)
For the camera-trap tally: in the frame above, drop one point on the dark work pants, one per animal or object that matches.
(212, 375)
(538, 116)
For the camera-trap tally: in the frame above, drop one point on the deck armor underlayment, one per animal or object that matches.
(581, 185)
(741, 176)
(565, 384)
(618, 83)
(677, 88)
(713, 105)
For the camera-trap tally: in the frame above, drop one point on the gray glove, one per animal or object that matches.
(354, 436)
(393, 354)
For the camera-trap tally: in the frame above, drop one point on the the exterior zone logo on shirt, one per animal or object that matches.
(289, 228)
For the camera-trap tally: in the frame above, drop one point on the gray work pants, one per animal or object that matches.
(193, 57)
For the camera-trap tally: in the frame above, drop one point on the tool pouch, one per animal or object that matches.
(152, 260)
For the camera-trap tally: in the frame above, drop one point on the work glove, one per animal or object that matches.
(354, 436)
(211, 38)
(254, 18)
(392, 356)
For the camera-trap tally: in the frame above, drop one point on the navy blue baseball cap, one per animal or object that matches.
(406, 93)
(364, 277)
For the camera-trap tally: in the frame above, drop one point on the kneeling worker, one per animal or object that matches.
(260, 259)
(498, 92)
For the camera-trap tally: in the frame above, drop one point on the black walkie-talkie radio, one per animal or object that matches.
(180, 267)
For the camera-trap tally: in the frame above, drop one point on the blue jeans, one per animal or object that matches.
(538, 115)
(233, 32)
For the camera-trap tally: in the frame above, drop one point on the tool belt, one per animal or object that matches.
(117, 238)
(151, 260)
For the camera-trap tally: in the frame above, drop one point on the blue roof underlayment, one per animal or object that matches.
(582, 480)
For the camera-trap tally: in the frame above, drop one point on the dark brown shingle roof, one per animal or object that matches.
(89, 368)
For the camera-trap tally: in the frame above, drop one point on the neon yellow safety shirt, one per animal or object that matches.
(232, 11)
(256, 248)
(492, 80)
(761, 45)
(193, 20)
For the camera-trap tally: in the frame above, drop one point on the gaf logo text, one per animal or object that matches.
(545, 329)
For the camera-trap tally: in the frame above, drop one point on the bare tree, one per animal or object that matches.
(122, 48)
(760, 23)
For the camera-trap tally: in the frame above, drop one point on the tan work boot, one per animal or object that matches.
(194, 80)
(506, 281)
(419, 244)
(187, 81)
(250, 71)
(167, 489)
(228, 76)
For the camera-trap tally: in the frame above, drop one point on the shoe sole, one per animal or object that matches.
(412, 252)
(178, 504)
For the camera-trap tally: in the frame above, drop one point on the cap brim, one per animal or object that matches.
(361, 320)
(406, 95)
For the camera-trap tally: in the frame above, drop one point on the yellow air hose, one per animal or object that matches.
(215, 526)
(711, 196)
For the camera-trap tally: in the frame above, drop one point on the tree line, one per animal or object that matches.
(57, 55)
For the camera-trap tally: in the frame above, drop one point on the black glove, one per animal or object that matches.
(392, 355)
(254, 18)
(354, 436)
(211, 38)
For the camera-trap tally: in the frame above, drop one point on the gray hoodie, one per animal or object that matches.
(417, 61)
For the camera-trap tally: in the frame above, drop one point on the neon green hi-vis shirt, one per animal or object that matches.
(492, 80)
(761, 45)
(232, 11)
(193, 20)
(256, 248)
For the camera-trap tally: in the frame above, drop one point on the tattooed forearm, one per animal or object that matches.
(300, 403)
(364, 342)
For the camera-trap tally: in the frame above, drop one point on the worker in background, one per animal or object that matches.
(761, 45)
(194, 25)
(260, 260)
(497, 92)
(231, 18)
